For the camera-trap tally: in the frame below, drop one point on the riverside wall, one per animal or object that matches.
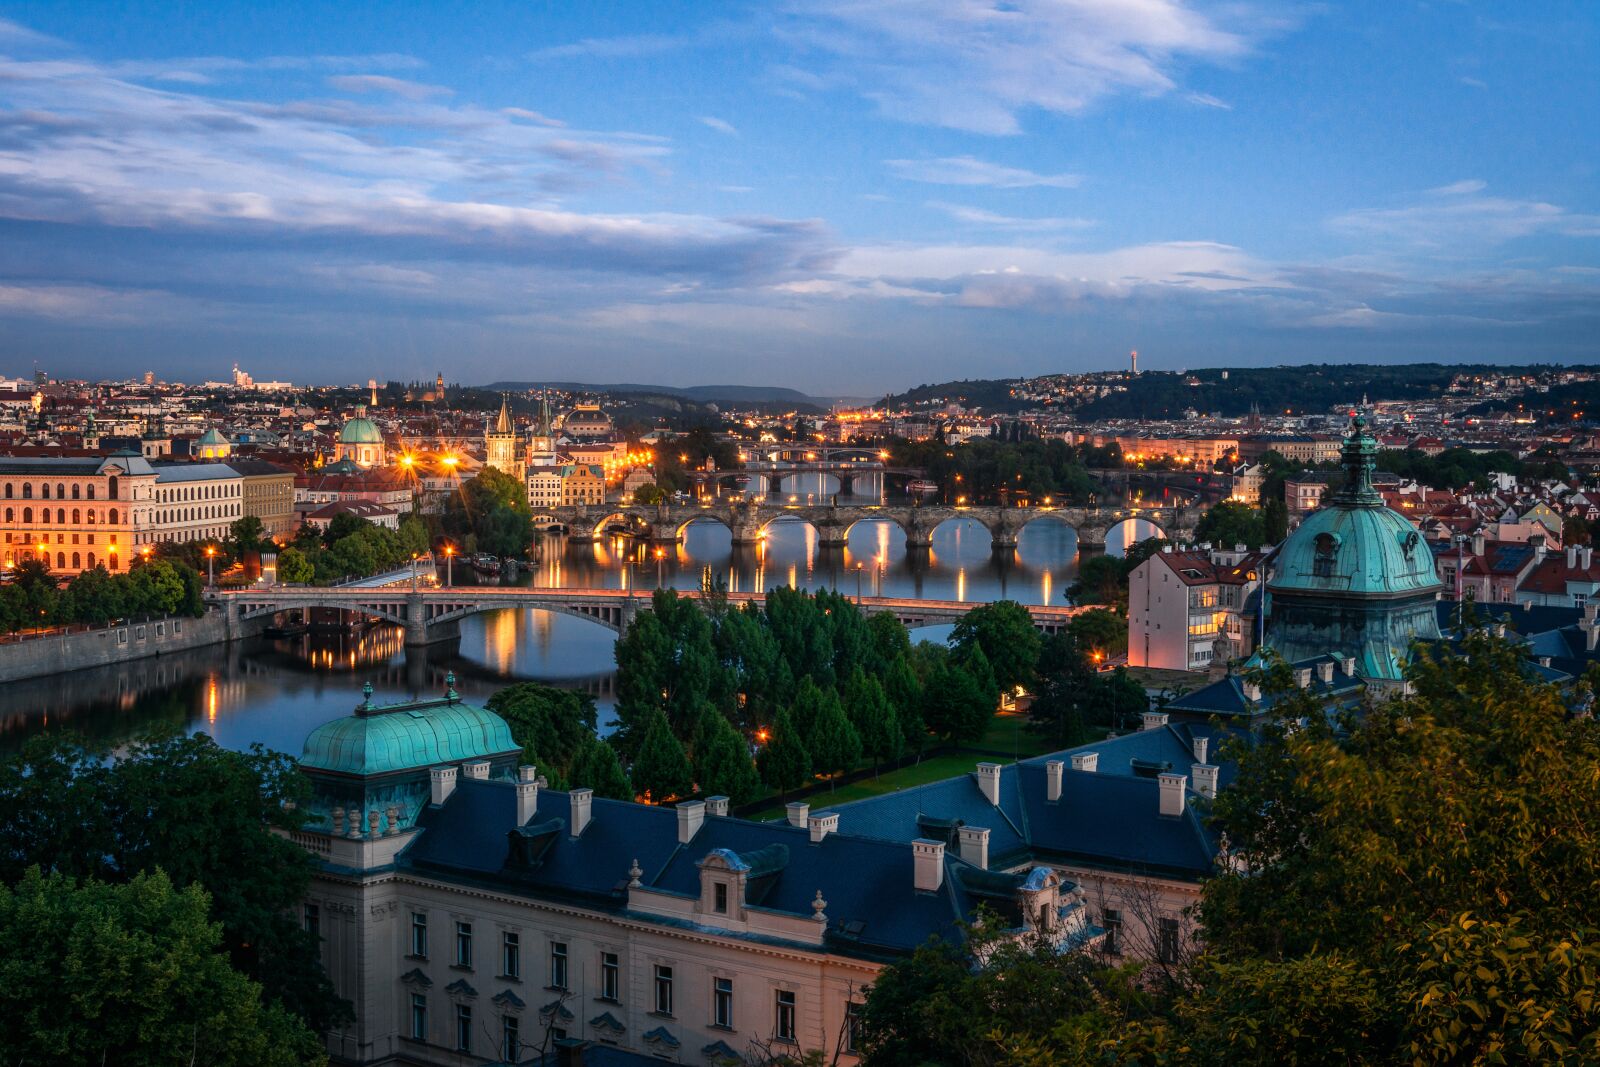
(62, 653)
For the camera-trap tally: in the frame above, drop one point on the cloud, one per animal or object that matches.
(382, 83)
(1460, 218)
(626, 47)
(966, 170)
(532, 116)
(720, 125)
(994, 220)
(1207, 100)
(976, 66)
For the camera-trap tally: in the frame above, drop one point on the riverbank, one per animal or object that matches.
(65, 651)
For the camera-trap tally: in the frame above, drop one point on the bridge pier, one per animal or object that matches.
(665, 533)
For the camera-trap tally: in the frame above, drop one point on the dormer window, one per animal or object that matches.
(1322, 565)
(719, 898)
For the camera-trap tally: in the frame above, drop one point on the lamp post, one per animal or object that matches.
(413, 572)
(211, 568)
(449, 566)
(660, 555)
(858, 584)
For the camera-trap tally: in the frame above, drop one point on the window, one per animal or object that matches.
(510, 955)
(1326, 545)
(558, 965)
(610, 975)
(722, 1003)
(663, 990)
(783, 1025)
(419, 1017)
(1167, 948)
(852, 1024)
(463, 1028)
(719, 894)
(463, 944)
(510, 1038)
(1112, 921)
(419, 934)
(313, 920)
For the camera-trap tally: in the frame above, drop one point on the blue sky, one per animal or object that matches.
(837, 195)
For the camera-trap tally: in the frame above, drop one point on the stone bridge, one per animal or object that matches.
(748, 520)
(767, 478)
(431, 615)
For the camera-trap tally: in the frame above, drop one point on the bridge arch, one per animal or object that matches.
(1125, 533)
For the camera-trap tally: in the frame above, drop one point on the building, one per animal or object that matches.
(1190, 608)
(361, 442)
(74, 513)
(544, 487)
(500, 445)
(463, 907)
(212, 445)
(1488, 572)
(376, 514)
(542, 443)
(192, 502)
(1562, 579)
(343, 481)
(582, 483)
(268, 492)
(585, 421)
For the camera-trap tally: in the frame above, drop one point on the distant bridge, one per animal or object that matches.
(766, 477)
(748, 520)
(430, 615)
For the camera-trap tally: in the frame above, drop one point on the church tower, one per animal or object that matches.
(542, 445)
(500, 442)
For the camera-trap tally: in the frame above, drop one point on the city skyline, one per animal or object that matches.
(836, 198)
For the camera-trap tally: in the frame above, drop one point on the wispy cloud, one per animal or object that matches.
(997, 221)
(1460, 217)
(720, 125)
(383, 83)
(627, 47)
(967, 170)
(977, 66)
(532, 116)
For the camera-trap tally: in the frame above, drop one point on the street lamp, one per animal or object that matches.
(449, 566)
(211, 568)
(660, 555)
(413, 572)
(858, 584)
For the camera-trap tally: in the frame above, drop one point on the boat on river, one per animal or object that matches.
(486, 565)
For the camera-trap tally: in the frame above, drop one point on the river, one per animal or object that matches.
(274, 692)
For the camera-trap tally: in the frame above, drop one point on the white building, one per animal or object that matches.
(1190, 608)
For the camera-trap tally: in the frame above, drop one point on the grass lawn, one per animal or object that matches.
(1009, 733)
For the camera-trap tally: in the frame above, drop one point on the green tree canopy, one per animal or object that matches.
(552, 725)
(294, 566)
(956, 705)
(661, 769)
(131, 974)
(597, 767)
(784, 762)
(1232, 523)
(834, 745)
(1004, 631)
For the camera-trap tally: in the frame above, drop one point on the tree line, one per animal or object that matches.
(150, 587)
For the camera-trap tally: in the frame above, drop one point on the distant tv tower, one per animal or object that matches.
(1134, 359)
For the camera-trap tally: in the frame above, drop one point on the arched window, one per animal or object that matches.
(44, 490)
(91, 561)
(11, 515)
(61, 561)
(27, 490)
(27, 516)
(9, 490)
(61, 491)
(90, 493)
(77, 517)
(61, 516)
(77, 561)
(112, 517)
(89, 516)
(76, 489)
(1327, 547)
(111, 488)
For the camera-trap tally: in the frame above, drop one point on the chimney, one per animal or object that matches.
(716, 805)
(974, 842)
(1591, 636)
(928, 865)
(1572, 557)
(581, 803)
(1325, 671)
(1155, 720)
(822, 824)
(691, 813)
(1201, 746)
(1086, 761)
(477, 769)
(989, 782)
(1172, 796)
(1477, 543)
(1587, 552)
(797, 810)
(1539, 547)
(1205, 779)
(443, 780)
(527, 794)
(1350, 666)
(1302, 677)
(1052, 780)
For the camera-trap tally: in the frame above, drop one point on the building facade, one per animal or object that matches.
(1188, 609)
(582, 483)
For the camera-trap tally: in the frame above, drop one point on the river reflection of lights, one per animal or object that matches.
(211, 699)
(961, 584)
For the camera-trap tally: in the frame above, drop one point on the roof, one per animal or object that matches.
(395, 737)
(170, 473)
(212, 437)
(360, 431)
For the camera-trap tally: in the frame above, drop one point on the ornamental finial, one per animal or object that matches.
(817, 908)
(634, 874)
(450, 685)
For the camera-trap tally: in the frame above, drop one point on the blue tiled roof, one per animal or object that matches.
(406, 737)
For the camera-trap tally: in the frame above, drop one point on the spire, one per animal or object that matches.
(502, 422)
(1358, 457)
(544, 412)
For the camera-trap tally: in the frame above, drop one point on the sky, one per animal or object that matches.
(840, 196)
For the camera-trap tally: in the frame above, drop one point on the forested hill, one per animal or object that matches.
(990, 395)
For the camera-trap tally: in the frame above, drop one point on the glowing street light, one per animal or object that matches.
(449, 566)
(211, 566)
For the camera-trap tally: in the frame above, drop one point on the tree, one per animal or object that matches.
(957, 706)
(38, 593)
(156, 588)
(1274, 521)
(247, 534)
(1232, 523)
(1101, 580)
(413, 536)
(203, 814)
(661, 770)
(294, 567)
(806, 708)
(553, 726)
(722, 763)
(649, 495)
(94, 597)
(131, 974)
(834, 745)
(1004, 631)
(904, 690)
(1099, 631)
(597, 767)
(784, 762)
(874, 719)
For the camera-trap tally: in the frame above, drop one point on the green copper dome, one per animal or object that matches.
(400, 737)
(360, 431)
(213, 437)
(1354, 545)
